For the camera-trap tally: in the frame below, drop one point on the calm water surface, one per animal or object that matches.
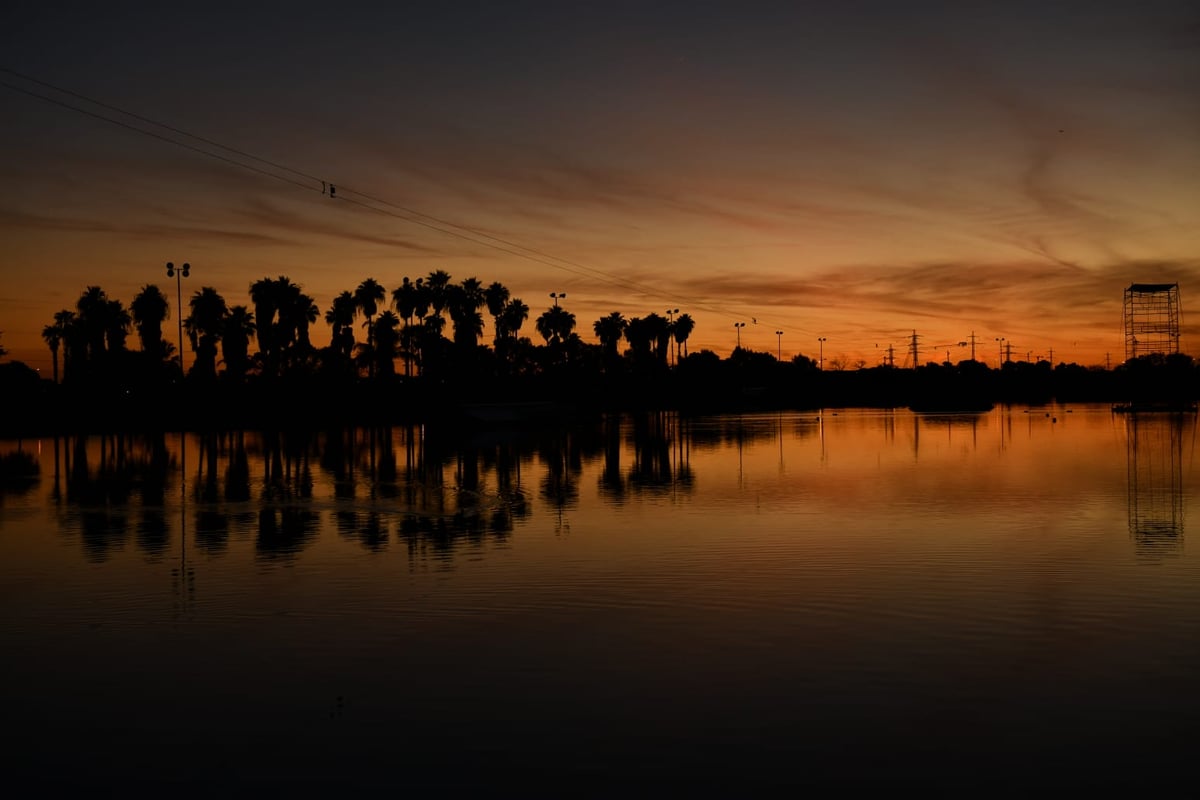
(738, 603)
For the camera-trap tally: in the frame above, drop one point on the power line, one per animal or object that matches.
(405, 214)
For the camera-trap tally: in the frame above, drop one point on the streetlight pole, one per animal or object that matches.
(738, 327)
(179, 274)
(671, 312)
(558, 296)
(999, 352)
(821, 353)
(779, 345)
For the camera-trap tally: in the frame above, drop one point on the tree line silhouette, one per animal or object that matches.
(391, 357)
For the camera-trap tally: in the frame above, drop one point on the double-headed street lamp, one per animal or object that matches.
(999, 352)
(779, 345)
(558, 296)
(821, 353)
(737, 326)
(179, 274)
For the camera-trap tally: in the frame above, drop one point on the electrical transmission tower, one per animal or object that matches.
(1152, 317)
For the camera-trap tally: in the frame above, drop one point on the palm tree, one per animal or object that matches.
(53, 336)
(236, 331)
(639, 334)
(464, 301)
(93, 308)
(297, 314)
(436, 284)
(496, 298)
(264, 294)
(404, 298)
(367, 297)
(204, 327)
(72, 340)
(116, 326)
(340, 318)
(386, 344)
(150, 307)
(513, 317)
(684, 325)
(421, 299)
(609, 331)
(555, 325)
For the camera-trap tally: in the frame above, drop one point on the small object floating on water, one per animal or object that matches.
(1054, 419)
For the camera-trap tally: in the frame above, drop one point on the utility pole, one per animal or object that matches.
(891, 356)
(1008, 351)
(916, 354)
(1108, 362)
(1052, 356)
(972, 345)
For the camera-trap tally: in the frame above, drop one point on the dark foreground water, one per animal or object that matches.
(640, 606)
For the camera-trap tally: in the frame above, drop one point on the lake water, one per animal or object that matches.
(644, 604)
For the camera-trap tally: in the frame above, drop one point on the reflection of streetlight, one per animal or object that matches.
(178, 275)
(999, 352)
(738, 327)
(557, 296)
(821, 353)
(779, 345)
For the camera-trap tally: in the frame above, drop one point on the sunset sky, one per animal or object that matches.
(851, 171)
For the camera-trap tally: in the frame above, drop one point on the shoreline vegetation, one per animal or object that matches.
(406, 368)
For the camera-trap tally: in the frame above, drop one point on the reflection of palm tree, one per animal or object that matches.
(150, 308)
(204, 326)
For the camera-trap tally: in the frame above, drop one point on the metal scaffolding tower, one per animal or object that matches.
(1151, 319)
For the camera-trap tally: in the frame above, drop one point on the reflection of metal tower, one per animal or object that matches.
(1154, 455)
(1151, 319)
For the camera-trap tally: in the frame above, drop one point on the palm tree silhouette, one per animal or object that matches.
(684, 325)
(92, 307)
(436, 285)
(340, 318)
(204, 327)
(640, 333)
(73, 346)
(496, 298)
(463, 302)
(609, 331)
(150, 307)
(386, 344)
(53, 336)
(116, 328)
(555, 324)
(264, 294)
(367, 297)
(237, 329)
